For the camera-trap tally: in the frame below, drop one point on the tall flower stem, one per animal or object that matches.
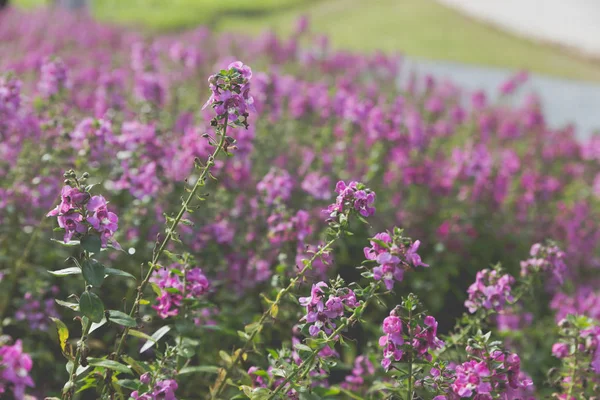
(221, 382)
(409, 394)
(171, 231)
(73, 375)
(306, 365)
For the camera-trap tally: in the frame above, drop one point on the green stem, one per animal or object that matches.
(217, 390)
(71, 384)
(171, 231)
(409, 395)
(573, 373)
(307, 364)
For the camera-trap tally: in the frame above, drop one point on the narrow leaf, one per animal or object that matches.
(140, 335)
(66, 304)
(121, 318)
(156, 336)
(110, 364)
(199, 368)
(66, 271)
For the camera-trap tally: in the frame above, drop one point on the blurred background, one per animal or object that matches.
(476, 43)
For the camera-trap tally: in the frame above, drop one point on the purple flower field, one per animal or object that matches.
(178, 224)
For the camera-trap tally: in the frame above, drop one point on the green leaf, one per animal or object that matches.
(156, 289)
(156, 336)
(66, 304)
(199, 368)
(110, 364)
(138, 366)
(302, 347)
(121, 318)
(63, 333)
(225, 357)
(91, 306)
(140, 335)
(70, 243)
(96, 325)
(260, 394)
(128, 384)
(91, 243)
(93, 272)
(118, 272)
(66, 271)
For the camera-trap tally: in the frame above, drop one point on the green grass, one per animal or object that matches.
(420, 28)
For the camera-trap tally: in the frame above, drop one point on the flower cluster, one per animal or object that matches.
(38, 309)
(174, 288)
(490, 291)
(53, 77)
(321, 312)
(15, 366)
(231, 93)
(354, 196)
(78, 211)
(587, 341)
(394, 254)
(419, 333)
(317, 186)
(488, 373)
(277, 184)
(584, 301)
(545, 258)
(161, 390)
(10, 95)
(363, 367)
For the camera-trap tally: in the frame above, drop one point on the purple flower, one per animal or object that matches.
(412, 257)
(150, 87)
(316, 185)
(351, 197)
(490, 291)
(231, 95)
(362, 368)
(471, 378)
(15, 366)
(70, 198)
(102, 220)
(321, 315)
(545, 258)
(53, 77)
(10, 96)
(276, 184)
(162, 390)
(169, 301)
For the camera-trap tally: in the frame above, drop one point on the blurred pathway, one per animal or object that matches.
(572, 23)
(564, 101)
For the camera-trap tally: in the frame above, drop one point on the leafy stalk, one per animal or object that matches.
(306, 365)
(70, 386)
(221, 383)
(171, 231)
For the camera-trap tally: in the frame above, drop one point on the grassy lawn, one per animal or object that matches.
(420, 28)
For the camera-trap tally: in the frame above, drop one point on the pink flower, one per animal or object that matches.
(560, 350)
(14, 368)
